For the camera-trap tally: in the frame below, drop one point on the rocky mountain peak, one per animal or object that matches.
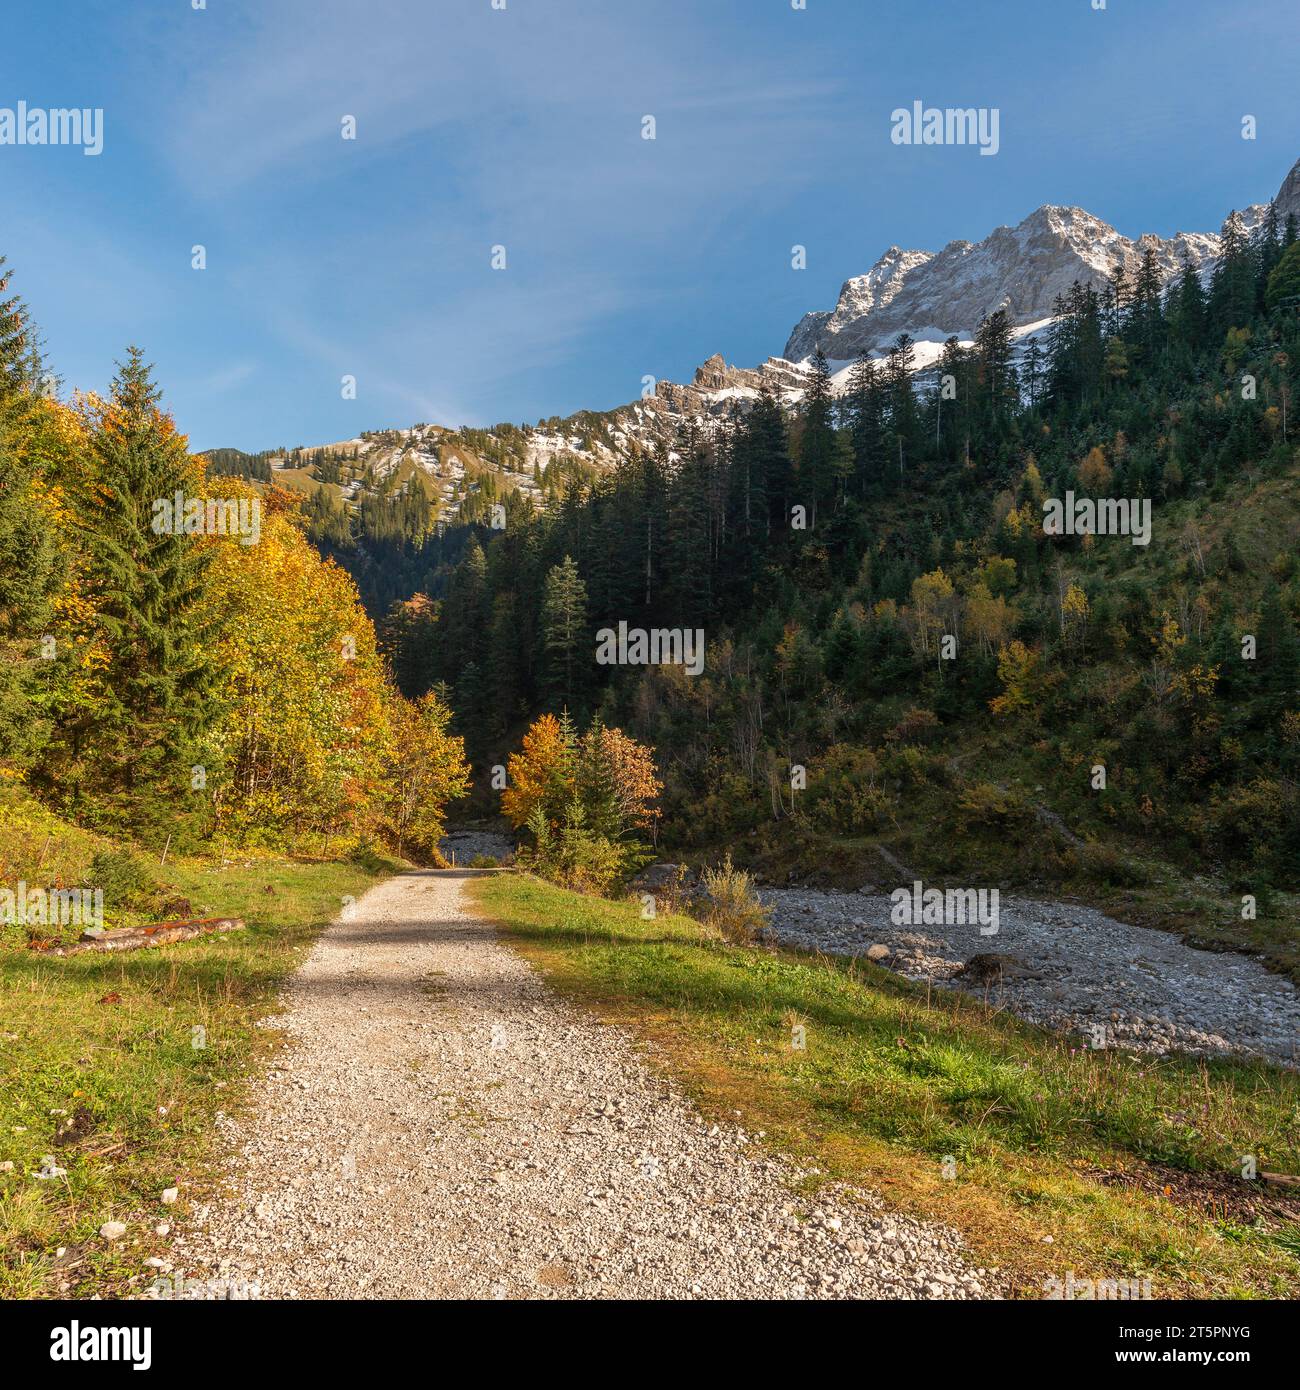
(1020, 269)
(1288, 196)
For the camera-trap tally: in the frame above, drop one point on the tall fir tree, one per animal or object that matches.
(565, 639)
(144, 760)
(816, 473)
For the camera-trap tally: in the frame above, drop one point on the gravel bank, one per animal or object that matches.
(461, 846)
(442, 1125)
(1070, 967)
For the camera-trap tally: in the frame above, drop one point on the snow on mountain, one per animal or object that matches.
(928, 295)
(1020, 269)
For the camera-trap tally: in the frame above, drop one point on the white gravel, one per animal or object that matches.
(459, 847)
(1072, 968)
(440, 1124)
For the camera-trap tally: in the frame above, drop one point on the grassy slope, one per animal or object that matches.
(127, 1071)
(1131, 1165)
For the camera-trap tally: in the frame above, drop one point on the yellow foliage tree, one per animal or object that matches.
(425, 769)
(933, 611)
(989, 619)
(1094, 472)
(622, 771)
(1074, 614)
(541, 773)
(303, 746)
(1020, 671)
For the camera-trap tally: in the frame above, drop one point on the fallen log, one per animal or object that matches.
(160, 934)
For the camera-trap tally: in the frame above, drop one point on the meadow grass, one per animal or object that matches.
(133, 1053)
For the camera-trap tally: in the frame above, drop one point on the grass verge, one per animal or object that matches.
(113, 1066)
(1101, 1163)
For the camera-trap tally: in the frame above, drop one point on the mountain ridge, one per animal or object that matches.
(928, 295)
(1020, 269)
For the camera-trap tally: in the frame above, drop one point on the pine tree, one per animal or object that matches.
(564, 633)
(1284, 282)
(1266, 247)
(28, 581)
(20, 359)
(772, 473)
(688, 589)
(863, 407)
(899, 367)
(466, 615)
(1146, 318)
(142, 737)
(1033, 371)
(1188, 307)
(1116, 300)
(1278, 657)
(1232, 288)
(817, 439)
(993, 351)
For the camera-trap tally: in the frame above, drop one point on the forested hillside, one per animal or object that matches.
(895, 644)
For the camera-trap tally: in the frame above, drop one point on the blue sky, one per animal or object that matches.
(522, 127)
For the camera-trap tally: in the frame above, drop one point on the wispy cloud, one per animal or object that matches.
(525, 128)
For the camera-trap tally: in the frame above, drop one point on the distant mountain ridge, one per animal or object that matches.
(1020, 269)
(928, 295)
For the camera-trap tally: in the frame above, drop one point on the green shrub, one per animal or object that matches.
(1108, 866)
(577, 857)
(984, 806)
(127, 884)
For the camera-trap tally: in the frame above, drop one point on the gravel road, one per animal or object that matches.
(440, 1124)
(1069, 967)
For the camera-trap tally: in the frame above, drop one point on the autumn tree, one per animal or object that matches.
(933, 611)
(302, 749)
(611, 775)
(1094, 472)
(424, 769)
(1020, 669)
(989, 618)
(541, 774)
(618, 781)
(1074, 610)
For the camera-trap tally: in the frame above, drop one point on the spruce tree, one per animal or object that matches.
(1284, 282)
(1188, 307)
(864, 419)
(566, 653)
(20, 360)
(1279, 656)
(1232, 288)
(144, 764)
(28, 581)
(902, 403)
(816, 477)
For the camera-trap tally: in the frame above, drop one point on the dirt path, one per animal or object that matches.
(442, 1125)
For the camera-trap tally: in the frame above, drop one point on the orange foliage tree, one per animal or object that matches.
(605, 771)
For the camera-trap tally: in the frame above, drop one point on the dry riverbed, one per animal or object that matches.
(1069, 967)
